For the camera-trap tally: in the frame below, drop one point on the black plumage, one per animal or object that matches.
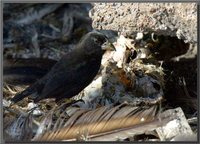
(72, 73)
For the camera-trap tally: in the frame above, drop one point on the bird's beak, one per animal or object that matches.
(108, 46)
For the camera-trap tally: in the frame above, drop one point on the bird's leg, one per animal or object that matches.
(67, 101)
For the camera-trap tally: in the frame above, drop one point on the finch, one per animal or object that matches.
(72, 73)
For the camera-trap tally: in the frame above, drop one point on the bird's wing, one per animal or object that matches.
(63, 80)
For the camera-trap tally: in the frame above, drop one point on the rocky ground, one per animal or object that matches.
(176, 23)
(168, 19)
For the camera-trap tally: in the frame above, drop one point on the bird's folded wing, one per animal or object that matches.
(64, 80)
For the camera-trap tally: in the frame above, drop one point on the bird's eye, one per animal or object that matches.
(96, 41)
(99, 40)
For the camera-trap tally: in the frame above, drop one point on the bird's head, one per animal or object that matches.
(96, 43)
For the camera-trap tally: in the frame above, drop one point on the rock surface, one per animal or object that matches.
(168, 19)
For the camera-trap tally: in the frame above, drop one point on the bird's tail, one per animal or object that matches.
(18, 97)
(31, 90)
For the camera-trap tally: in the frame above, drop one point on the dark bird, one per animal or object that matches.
(73, 72)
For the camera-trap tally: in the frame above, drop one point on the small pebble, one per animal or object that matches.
(139, 36)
